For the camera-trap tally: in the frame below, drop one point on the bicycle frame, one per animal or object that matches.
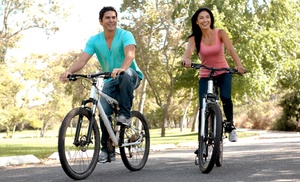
(95, 94)
(211, 91)
(204, 99)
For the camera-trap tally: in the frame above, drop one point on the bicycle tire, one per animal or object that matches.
(209, 144)
(219, 161)
(134, 157)
(79, 161)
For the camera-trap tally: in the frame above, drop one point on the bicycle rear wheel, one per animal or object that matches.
(135, 156)
(78, 158)
(209, 144)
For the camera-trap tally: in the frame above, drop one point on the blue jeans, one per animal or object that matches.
(120, 89)
(224, 85)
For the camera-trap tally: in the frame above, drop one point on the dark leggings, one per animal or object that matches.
(224, 84)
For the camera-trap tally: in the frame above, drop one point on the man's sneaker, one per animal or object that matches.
(123, 121)
(103, 157)
(233, 137)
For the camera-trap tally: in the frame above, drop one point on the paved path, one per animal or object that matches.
(271, 156)
(31, 159)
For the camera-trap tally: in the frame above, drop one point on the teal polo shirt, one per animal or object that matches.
(113, 57)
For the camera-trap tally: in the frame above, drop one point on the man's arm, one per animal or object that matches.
(129, 51)
(76, 66)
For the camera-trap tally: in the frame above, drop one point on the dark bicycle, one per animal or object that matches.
(211, 125)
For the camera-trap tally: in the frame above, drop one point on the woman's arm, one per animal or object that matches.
(231, 51)
(186, 62)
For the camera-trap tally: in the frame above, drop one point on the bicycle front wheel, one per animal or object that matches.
(219, 161)
(136, 142)
(77, 155)
(209, 144)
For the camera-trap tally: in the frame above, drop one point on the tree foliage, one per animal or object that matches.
(265, 35)
(15, 18)
(158, 26)
(18, 16)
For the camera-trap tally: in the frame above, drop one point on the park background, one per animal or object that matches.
(39, 40)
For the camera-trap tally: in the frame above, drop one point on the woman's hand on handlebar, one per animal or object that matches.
(186, 63)
(240, 69)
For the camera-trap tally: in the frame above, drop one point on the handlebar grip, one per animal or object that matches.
(72, 77)
(196, 66)
(107, 75)
(236, 72)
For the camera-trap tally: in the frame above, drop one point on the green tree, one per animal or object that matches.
(15, 18)
(18, 16)
(266, 35)
(158, 26)
(53, 99)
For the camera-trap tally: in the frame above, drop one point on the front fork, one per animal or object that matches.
(87, 140)
(201, 126)
(202, 120)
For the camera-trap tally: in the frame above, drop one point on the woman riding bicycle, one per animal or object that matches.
(209, 43)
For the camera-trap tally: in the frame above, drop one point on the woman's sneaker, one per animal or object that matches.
(233, 137)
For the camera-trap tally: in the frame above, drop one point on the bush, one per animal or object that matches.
(257, 116)
(290, 117)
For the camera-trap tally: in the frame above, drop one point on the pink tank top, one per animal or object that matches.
(213, 56)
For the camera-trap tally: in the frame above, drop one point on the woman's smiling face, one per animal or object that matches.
(204, 20)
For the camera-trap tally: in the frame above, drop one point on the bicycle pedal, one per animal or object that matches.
(121, 124)
(196, 161)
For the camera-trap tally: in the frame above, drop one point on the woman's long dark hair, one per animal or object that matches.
(196, 31)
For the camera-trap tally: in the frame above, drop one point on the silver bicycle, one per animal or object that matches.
(79, 134)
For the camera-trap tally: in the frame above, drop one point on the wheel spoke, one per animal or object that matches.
(135, 156)
(78, 161)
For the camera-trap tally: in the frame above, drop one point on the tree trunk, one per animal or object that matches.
(13, 132)
(143, 96)
(195, 122)
(163, 128)
(166, 113)
(7, 131)
(184, 122)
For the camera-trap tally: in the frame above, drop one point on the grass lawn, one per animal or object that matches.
(27, 142)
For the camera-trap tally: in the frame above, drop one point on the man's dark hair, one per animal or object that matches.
(105, 9)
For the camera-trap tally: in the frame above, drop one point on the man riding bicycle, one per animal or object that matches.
(115, 50)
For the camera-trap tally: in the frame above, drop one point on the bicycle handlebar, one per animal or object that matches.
(212, 69)
(73, 77)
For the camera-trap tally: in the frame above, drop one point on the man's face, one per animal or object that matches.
(109, 21)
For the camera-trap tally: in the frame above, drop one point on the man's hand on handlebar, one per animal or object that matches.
(116, 72)
(64, 77)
